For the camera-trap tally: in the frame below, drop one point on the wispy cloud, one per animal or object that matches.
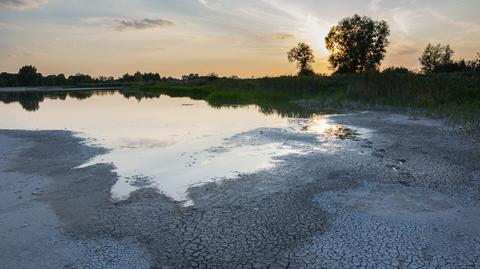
(405, 50)
(22, 4)
(283, 36)
(467, 27)
(126, 24)
(22, 52)
(211, 4)
(271, 38)
(375, 5)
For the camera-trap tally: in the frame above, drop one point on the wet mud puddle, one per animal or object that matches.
(171, 144)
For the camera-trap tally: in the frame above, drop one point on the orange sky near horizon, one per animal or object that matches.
(243, 38)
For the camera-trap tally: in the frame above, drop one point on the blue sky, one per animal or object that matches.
(244, 38)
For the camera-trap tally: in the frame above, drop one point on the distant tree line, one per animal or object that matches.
(28, 76)
(208, 77)
(139, 77)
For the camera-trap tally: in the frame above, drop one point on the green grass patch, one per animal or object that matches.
(455, 95)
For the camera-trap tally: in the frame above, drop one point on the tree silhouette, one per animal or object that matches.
(303, 55)
(357, 44)
(434, 57)
(80, 79)
(28, 76)
(151, 77)
(8, 80)
(138, 77)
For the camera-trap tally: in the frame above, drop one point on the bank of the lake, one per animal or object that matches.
(403, 193)
(454, 96)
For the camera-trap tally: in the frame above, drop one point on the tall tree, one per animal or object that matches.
(357, 44)
(303, 55)
(435, 56)
(28, 76)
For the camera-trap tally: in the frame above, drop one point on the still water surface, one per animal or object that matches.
(166, 143)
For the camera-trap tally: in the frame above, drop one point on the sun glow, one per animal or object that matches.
(315, 31)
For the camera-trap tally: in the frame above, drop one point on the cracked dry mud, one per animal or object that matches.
(404, 194)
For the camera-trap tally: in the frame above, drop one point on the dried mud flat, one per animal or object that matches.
(402, 193)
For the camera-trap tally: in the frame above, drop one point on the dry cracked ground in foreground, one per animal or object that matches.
(403, 193)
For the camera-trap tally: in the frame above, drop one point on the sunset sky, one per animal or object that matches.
(244, 38)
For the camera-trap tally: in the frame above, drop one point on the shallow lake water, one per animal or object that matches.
(162, 142)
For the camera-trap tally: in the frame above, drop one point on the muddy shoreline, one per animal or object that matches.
(404, 180)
